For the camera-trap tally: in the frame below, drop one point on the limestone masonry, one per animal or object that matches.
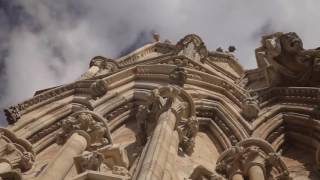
(174, 112)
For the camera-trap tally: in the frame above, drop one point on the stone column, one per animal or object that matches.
(74, 146)
(170, 171)
(256, 172)
(155, 160)
(237, 177)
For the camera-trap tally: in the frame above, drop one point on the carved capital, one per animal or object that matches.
(89, 122)
(252, 152)
(15, 151)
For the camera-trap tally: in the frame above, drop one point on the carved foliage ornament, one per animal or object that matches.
(89, 122)
(238, 159)
(17, 152)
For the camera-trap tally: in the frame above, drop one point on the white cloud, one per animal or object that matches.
(68, 33)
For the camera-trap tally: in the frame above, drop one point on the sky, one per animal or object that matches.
(44, 43)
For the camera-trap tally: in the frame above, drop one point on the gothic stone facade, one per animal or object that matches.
(174, 112)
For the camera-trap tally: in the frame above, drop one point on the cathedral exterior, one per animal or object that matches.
(174, 111)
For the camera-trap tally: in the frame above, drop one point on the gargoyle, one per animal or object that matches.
(292, 64)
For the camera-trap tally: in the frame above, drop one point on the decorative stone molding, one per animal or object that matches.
(252, 153)
(185, 62)
(89, 122)
(16, 155)
(111, 115)
(13, 113)
(43, 132)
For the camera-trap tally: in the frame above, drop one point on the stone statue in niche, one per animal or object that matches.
(291, 62)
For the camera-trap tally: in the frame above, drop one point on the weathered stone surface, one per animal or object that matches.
(173, 112)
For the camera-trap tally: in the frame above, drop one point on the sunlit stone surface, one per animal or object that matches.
(174, 111)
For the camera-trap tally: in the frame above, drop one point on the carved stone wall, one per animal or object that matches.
(174, 112)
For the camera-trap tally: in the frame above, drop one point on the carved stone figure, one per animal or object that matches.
(178, 76)
(285, 53)
(252, 158)
(188, 129)
(89, 161)
(250, 108)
